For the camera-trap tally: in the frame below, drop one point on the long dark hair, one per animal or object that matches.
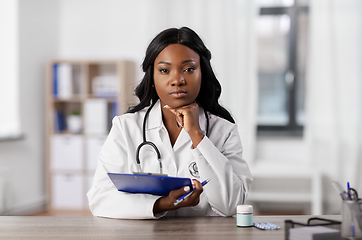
(210, 90)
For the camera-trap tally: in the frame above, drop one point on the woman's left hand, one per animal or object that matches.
(188, 117)
(167, 203)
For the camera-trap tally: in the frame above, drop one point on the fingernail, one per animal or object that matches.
(179, 124)
(187, 188)
(165, 106)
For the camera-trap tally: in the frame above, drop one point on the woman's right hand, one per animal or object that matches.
(167, 203)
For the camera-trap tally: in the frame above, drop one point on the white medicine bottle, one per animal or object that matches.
(244, 215)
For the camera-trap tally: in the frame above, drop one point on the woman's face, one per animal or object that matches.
(177, 75)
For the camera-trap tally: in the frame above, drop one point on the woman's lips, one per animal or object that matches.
(178, 93)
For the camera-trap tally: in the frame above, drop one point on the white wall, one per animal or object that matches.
(104, 29)
(282, 151)
(24, 159)
(9, 63)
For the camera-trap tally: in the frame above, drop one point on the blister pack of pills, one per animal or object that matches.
(266, 226)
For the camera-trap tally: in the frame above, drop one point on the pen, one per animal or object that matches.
(189, 193)
(348, 190)
(340, 190)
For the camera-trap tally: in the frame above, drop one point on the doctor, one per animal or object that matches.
(195, 136)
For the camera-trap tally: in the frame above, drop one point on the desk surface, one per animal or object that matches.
(22, 227)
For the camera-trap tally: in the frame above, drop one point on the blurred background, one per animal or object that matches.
(291, 72)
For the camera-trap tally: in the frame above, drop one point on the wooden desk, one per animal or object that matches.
(208, 228)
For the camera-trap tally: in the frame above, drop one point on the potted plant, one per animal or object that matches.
(74, 122)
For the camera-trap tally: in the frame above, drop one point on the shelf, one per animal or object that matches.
(78, 119)
(109, 99)
(66, 133)
(72, 99)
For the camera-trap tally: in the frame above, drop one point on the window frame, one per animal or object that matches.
(292, 128)
(10, 128)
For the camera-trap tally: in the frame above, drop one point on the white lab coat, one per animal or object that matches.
(218, 157)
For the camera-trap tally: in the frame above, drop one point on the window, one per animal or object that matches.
(282, 30)
(9, 106)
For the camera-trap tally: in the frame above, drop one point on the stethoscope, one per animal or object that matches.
(145, 142)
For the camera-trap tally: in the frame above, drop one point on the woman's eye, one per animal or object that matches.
(163, 71)
(190, 69)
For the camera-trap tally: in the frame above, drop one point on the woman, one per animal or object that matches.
(196, 137)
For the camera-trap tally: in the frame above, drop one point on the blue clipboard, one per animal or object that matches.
(150, 184)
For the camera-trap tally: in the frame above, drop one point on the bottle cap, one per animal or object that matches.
(246, 209)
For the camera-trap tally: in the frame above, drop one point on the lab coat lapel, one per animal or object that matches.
(181, 140)
(154, 119)
(155, 123)
(165, 139)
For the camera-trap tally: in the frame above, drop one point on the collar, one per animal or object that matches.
(154, 119)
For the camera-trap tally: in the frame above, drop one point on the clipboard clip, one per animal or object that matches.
(152, 174)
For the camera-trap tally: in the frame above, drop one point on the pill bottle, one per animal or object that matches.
(244, 215)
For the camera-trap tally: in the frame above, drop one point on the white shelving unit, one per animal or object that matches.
(92, 92)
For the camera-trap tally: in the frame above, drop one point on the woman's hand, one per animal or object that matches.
(188, 117)
(168, 203)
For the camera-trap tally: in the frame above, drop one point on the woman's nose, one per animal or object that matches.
(178, 80)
